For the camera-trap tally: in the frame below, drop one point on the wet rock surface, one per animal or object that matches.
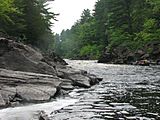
(126, 93)
(43, 116)
(23, 87)
(18, 87)
(28, 76)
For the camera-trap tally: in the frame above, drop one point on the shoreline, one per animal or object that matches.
(29, 76)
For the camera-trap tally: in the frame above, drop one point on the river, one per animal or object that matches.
(126, 93)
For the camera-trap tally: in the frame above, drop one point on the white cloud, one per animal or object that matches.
(70, 11)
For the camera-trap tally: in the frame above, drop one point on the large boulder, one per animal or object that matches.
(36, 93)
(20, 57)
(27, 75)
(80, 80)
(16, 86)
(76, 77)
(53, 59)
(107, 57)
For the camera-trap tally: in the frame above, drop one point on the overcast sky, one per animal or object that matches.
(70, 11)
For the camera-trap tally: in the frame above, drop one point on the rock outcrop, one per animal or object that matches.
(20, 87)
(27, 76)
(120, 55)
(20, 57)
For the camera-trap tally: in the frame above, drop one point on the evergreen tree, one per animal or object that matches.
(86, 16)
(28, 20)
(38, 23)
(101, 19)
(7, 11)
(115, 24)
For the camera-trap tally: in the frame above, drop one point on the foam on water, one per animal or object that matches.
(30, 112)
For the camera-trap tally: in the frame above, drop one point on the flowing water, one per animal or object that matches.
(126, 93)
(31, 112)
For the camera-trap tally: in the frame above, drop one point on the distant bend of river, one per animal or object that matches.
(126, 93)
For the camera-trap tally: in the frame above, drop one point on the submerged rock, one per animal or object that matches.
(2, 102)
(43, 116)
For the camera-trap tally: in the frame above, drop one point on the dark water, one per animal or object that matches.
(126, 93)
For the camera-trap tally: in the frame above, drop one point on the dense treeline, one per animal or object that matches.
(129, 24)
(27, 20)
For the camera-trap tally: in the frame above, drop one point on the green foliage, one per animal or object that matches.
(101, 19)
(149, 25)
(129, 24)
(132, 23)
(75, 43)
(86, 16)
(115, 23)
(38, 23)
(28, 20)
(118, 37)
(91, 51)
(6, 8)
(150, 32)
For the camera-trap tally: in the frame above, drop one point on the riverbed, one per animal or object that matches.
(126, 93)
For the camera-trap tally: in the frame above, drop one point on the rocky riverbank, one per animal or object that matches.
(28, 76)
(150, 54)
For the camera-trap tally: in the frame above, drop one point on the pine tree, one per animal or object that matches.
(38, 23)
(7, 10)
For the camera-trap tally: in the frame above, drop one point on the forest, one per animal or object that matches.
(113, 25)
(28, 21)
(50, 76)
